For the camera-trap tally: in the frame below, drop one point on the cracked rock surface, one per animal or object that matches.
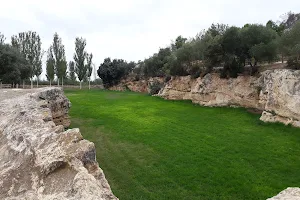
(39, 158)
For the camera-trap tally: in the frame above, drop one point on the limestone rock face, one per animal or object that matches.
(280, 96)
(276, 92)
(142, 86)
(213, 91)
(178, 88)
(38, 158)
(288, 194)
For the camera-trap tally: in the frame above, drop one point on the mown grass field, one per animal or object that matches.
(150, 148)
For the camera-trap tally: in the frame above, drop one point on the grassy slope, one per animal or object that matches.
(150, 148)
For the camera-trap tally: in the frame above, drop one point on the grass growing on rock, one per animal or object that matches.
(150, 148)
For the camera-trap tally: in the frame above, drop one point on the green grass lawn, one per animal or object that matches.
(150, 148)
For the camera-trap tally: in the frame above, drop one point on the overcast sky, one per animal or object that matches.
(130, 29)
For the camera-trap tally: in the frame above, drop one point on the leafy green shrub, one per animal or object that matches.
(155, 87)
(231, 70)
(136, 78)
(167, 78)
(195, 71)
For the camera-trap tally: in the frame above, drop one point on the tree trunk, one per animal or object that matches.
(57, 81)
(50, 82)
(62, 82)
(80, 84)
(282, 58)
(89, 83)
(23, 84)
(31, 83)
(37, 83)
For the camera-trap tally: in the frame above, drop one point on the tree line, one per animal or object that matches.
(21, 60)
(228, 50)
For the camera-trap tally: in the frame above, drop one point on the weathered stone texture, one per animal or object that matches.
(142, 86)
(280, 96)
(38, 158)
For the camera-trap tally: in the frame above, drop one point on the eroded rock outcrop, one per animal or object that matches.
(280, 96)
(276, 93)
(213, 91)
(143, 86)
(38, 158)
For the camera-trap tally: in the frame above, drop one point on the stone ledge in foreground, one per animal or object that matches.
(38, 158)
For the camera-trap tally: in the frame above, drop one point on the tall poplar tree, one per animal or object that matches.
(89, 67)
(60, 63)
(50, 68)
(72, 71)
(79, 58)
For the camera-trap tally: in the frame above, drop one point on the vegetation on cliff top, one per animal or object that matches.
(226, 49)
(150, 148)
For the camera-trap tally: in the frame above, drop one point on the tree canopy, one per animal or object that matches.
(58, 51)
(13, 65)
(72, 75)
(79, 58)
(112, 71)
(50, 65)
(29, 44)
(2, 38)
